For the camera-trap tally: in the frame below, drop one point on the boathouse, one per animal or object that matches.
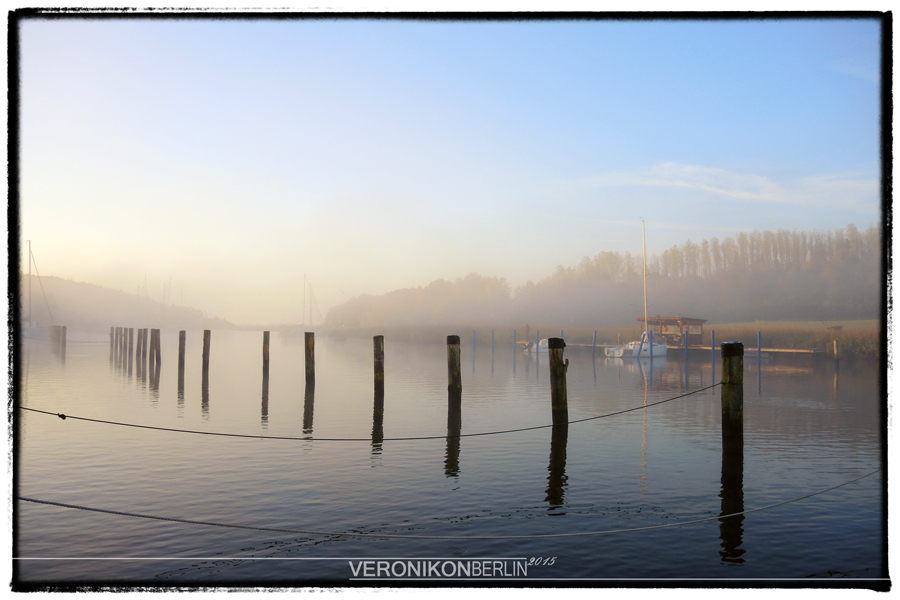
(673, 329)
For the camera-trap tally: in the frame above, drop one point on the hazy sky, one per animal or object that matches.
(235, 156)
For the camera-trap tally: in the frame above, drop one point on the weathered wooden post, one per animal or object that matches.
(137, 353)
(732, 494)
(733, 384)
(558, 394)
(265, 351)
(153, 342)
(378, 346)
(144, 351)
(112, 343)
(594, 344)
(310, 338)
(130, 350)
(454, 372)
(206, 344)
(377, 423)
(158, 352)
(182, 345)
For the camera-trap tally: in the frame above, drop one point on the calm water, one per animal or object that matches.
(806, 429)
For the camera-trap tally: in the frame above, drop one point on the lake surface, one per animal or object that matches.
(806, 429)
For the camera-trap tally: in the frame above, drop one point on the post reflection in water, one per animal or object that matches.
(264, 411)
(731, 530)
(454, 428)
(309, 399)
(556, 480)
(378, 424)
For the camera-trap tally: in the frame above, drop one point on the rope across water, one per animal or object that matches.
(396, 439)
(437, 537)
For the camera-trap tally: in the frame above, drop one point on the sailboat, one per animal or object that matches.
(645, 347)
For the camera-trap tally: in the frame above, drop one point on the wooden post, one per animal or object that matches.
(265, 381)
(130, 346)
(206, 344)
(712, 349)
(594, 344)
(733, 384)
(112, 342)
(378, 345)
(152, 355)
(685, 346)
(182, 345)
(454, 373)
(514, 339)
(310, 357)
(158, 352)
(137, 351)
(144, 351)
(558, 394)
(732, 493)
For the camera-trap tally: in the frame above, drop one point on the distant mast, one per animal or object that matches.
(644, 227)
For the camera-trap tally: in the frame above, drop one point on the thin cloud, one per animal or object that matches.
(853, 191)
(855, 68)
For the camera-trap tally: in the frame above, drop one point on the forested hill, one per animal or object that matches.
(763, 275)
(57, 301)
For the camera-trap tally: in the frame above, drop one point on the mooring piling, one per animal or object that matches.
(182, 344)
(144, 351)
(130, 346)
(732, 493)
(158, 352)
(594, 344)
(112, 343)
(206, 343)
(378, 348)
(732, 384)
(265, 376)
(558, 394)
(454, 372)
(265, 357)
(310, 339)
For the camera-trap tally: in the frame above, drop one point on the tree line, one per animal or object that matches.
(761, 275)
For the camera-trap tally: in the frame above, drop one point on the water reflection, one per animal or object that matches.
(264, 410)
(378, 424)
(309, 399)
(454, 428)
(556, 481)
(731, 530)
(204, 395)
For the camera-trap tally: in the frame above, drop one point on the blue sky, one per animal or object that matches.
(235, 156)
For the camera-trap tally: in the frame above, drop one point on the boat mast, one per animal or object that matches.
(644, 227)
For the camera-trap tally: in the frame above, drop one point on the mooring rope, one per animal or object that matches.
(438, 537)
(368, 439)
